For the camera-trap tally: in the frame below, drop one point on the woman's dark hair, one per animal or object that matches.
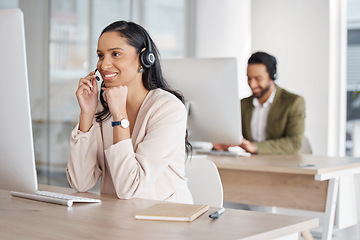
(152, 77)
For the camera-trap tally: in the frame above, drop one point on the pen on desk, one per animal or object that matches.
(217, 213)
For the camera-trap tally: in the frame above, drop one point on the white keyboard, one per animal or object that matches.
(54, 197)
(223, 153)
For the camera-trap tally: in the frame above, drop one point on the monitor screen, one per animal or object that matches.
(210, 87)
(17, 171)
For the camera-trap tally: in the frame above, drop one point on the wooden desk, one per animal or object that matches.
(114, 219)
(282, 181)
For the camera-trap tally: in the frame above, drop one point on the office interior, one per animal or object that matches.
(317, 45)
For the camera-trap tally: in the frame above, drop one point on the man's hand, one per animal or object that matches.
(248, 146)
(221, 147)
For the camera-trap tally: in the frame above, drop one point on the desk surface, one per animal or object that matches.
(114, 218)
(305, 182)
(287, 163)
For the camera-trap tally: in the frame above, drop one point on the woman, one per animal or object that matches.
(135, 137)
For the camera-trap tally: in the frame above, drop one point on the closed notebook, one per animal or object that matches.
(172, 212)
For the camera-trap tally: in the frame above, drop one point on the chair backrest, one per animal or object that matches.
(204, 182)
(306, 147)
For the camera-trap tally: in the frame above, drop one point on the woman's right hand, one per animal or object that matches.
(87, 96)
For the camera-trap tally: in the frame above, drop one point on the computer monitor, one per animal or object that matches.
(17, 161)
(210, 87)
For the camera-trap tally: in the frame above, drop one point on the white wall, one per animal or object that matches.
(223, 30)
(304, 37)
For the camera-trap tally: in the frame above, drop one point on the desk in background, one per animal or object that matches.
(114, 219)
(305, 182)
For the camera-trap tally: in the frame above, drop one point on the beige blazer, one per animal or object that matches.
(149, 165)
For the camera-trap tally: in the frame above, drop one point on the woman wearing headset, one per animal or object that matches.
(132, 134)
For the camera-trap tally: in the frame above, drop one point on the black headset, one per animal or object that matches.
(147, 58)
(273, 75)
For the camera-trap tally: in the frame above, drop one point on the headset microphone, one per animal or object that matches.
(97, 78)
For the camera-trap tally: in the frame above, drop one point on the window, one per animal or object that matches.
(353, 79)
(169, 35)
(353, 88)
(6, 4)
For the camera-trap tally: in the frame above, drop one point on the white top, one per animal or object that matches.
(259, 118)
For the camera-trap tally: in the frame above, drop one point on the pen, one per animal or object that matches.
(217, 213)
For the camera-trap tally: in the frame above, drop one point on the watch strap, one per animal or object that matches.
(124, 123)
(116, 123)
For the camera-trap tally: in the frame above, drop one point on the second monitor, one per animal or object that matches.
(210, 88)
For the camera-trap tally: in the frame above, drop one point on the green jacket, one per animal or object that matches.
(285, 124)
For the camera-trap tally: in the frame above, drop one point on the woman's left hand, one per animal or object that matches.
(116, 100)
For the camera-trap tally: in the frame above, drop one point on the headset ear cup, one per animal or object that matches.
(142, 61)
(147, 59)
(150, 58)
(275, 76)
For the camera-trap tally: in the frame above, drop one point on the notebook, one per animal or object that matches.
(17, 158)
(172, 212)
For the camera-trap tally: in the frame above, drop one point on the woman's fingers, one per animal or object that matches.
(116, 99)
(118, 93)
(88, 83)
(88, 79)
(85, 81)
(84, 88)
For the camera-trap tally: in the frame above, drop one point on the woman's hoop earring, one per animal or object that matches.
(141, 69)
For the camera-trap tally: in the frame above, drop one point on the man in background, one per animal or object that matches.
(273, 119)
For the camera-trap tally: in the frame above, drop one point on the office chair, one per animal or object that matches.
(204, 182)
(306, 147)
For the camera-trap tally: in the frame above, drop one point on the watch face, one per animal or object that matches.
(125, 123)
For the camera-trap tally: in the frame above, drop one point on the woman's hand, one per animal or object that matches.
(87, 96)
(116, 100)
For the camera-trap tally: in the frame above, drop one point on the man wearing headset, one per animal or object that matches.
(273, 119)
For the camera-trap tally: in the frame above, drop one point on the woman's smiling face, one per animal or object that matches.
(118, 61)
